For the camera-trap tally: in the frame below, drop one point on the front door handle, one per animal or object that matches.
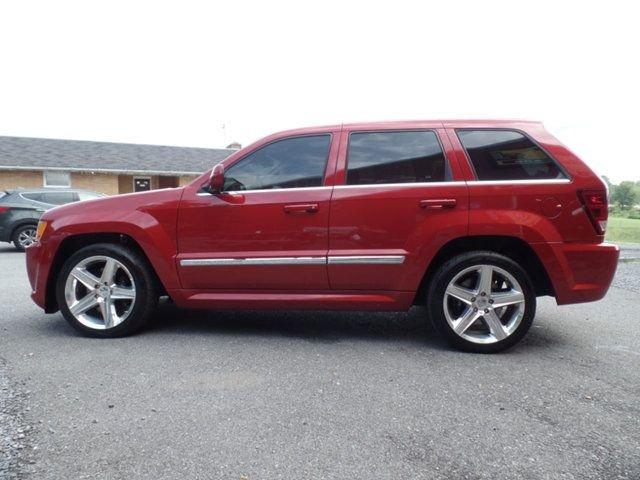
(301, 208)
(438, 203)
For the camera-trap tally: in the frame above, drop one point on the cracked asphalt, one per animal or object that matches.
(268, 395)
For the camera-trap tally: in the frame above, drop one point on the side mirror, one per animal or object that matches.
(216, 181)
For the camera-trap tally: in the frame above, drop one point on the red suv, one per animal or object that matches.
(473, 219)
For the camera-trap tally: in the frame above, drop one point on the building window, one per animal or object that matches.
(56, 179)
(141, 184)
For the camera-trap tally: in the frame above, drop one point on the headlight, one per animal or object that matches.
(42, 226)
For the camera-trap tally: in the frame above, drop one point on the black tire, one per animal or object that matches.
(145, 283)
(15, 236)
(448, 271)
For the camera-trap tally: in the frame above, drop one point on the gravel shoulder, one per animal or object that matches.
(16, 452)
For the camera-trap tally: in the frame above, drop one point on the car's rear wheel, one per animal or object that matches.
(481, 302)
(24, 237)
(106, 290)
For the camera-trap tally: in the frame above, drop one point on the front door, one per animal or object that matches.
(268, 229)
(396, 201)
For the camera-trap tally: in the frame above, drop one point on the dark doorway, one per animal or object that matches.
(141, 184)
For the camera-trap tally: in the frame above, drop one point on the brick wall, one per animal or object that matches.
(20, 178)
(107, 183)
(98, 182)
(186, 180)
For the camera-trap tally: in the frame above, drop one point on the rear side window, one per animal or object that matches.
(58, 198)
(36, 197)
(395, 157)
(289, 163)
(507, 155)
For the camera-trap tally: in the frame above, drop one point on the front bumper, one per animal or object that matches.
(39, 260)
(579, 272)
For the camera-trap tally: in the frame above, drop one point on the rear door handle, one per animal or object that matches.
(438, 203)
(301, 208)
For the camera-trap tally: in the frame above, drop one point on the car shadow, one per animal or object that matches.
(316, 326)
(410, 329)
(9, 248)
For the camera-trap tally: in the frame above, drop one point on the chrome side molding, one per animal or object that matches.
(212, 262)
(334, 260)
(367, 259)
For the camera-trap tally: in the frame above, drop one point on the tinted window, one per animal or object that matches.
(36, 197)
(507, 155)
(58, 198)
(288, 163)
(395, 157)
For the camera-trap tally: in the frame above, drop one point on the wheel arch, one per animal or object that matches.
(513, 247)
(73, 243)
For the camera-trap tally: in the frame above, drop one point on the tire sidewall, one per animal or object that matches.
(142, 282)
(448, 271)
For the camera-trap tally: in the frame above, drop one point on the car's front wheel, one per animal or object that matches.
(481, 302)
(106, 290)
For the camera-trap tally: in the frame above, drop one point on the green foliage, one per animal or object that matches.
(625, 195)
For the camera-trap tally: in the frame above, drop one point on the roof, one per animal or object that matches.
(75, 155)
(409, 124)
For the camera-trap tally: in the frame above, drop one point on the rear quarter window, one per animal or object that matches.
(507, 155)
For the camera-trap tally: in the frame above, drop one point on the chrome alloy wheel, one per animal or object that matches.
(484, 304)
(27, 237)
(100, 292)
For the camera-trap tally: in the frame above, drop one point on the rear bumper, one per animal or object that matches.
(579, 272)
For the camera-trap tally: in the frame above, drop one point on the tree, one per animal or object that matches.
(625, 195)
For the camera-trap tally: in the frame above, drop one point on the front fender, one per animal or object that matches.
(149, 219)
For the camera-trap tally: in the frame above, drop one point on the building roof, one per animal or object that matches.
(74, 155)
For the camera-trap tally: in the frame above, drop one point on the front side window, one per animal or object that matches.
(507, 155)
(288, 163)
(57, 179)
(395, 157)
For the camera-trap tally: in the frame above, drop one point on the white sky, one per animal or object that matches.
(173, 73)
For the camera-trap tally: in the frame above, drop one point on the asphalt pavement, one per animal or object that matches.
(298, 395)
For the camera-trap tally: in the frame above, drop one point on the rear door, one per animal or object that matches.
(269, 228)
(398, 198)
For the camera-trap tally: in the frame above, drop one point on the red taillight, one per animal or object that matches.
(596, 205)
(3, 210)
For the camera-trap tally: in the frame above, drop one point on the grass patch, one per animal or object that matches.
(625, 230)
